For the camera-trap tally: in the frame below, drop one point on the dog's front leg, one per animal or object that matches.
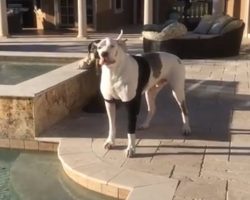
(133, 108)
(111, 112)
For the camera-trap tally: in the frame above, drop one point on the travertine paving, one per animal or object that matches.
(212, 164)
(214, 158)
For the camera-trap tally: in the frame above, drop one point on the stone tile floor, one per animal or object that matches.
(214, 162)
(216, 157)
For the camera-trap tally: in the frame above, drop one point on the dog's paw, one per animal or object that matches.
(130, 152)
(143, 127)
(108, 145)
(186, 131)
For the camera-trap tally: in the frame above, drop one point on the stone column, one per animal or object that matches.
(3, 19)
(56, 11)
(244, 15)
(82, 19)
(148, 11)
(218, 6)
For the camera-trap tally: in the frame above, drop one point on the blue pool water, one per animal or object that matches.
(12, 73)
(38, 176)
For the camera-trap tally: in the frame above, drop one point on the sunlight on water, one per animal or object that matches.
(38, 176)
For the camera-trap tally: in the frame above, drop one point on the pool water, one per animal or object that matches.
(38, 176)
(12, 73)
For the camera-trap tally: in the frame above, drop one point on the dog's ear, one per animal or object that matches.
(92, 44)
(122, 44)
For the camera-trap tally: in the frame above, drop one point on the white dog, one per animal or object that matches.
(125, 78)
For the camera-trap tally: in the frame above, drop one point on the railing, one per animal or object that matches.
(196, 11)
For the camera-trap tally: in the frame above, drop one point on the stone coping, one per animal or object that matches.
(85, 167)
(33, 145)
(39, 84)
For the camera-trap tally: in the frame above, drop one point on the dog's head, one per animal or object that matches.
(109, 49)
(92, 59)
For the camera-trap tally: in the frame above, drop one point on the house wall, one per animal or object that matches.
(107, 19)
(164, 9)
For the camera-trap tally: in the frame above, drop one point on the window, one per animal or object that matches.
(67, 12)
(118, 6)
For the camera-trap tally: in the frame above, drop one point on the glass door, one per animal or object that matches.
(67, 13)
(90, 11)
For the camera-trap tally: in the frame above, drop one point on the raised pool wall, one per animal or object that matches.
(26, 117)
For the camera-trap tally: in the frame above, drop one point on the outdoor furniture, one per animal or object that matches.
(210, 39)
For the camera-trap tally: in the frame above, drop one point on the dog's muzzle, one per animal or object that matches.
(105, 59)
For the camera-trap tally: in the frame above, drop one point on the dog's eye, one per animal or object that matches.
(112, 46)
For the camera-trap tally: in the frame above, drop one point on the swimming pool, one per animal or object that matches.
(36, 93)
(38, 176)
(12, 73)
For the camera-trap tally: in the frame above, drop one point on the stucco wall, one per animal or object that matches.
(107, 18)
(164, 9)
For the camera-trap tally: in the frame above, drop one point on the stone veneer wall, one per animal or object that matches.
(56, 103)
(26, 118)
(16, 118)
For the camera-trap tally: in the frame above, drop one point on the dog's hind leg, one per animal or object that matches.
(150, 96)
(111, 112)
(179, 95)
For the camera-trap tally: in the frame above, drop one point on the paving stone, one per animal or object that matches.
(241, 138)
(116, 156)
(16, 144)
(31, 145)
(240, 151)
(158, 168)
(204, 189)
(217, 153)
(238, 190)
(175, 153)
(98, 148)
(237, 171)
(164, 191)
(78, 160)
(130, 179)
(75, 145)
(100, 171)
(4, 142)
(184, 172)
(240, 120)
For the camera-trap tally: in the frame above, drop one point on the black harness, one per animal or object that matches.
(133, 106)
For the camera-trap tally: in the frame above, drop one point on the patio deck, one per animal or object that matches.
(213, 163)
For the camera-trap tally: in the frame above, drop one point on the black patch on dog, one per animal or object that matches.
(144, 73)
(133, 106)
(93, 49)
(155, 63)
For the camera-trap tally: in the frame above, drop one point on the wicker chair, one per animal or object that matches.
(222, 45)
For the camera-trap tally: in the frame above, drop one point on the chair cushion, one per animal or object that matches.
(191, 35)
(205, 24)
(152, 27)
(219, 24)
(173, 30)
(236, 23)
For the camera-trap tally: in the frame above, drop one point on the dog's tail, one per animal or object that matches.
(120, 35)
